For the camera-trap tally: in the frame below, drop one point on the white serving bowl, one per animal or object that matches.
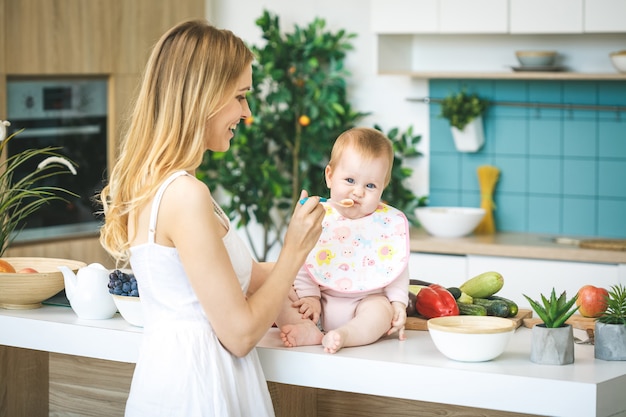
(618, 59)
(449, 221)
(129, 308)
(536, 58)
(471, 338)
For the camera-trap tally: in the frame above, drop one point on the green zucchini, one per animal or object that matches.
(456, 292)
(483, 285)
(513, 308)
(496, 308)
(471, 309)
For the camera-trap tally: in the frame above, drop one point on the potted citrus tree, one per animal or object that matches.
(553, 340)
(464, 113)
(299, 104)
(610, 327)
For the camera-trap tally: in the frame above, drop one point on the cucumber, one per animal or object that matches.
(513, 308)
(496, 308)
(483, 285)
(471, 309)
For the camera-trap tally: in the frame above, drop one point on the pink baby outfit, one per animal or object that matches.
(355, 258)
(183, 369)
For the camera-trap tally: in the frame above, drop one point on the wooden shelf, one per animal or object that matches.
(547, 75)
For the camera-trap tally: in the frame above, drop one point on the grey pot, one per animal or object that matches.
(552, 346)
(610, 341)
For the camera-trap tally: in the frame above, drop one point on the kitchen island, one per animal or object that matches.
(410, 370)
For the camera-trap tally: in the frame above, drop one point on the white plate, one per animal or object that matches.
(537, 69)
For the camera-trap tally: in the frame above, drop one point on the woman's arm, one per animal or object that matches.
(186, 221)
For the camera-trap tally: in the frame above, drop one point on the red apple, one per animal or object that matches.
(6, 267)
(27, 271)
(591, 301)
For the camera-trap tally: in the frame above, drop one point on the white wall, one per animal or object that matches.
(383, 96)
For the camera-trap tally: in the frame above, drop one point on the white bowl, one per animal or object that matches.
(449, 221)
(536, 58)
(471, 338)
(618, 59)
(129, 308)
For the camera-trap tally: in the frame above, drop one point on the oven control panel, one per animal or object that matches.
(49, 99)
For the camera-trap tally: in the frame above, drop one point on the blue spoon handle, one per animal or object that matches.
(322, 200)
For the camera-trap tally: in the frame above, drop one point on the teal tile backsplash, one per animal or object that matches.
(563, 170)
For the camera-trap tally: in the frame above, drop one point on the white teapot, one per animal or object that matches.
(88, 292)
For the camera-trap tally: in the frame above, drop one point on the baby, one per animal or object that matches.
(356, 279)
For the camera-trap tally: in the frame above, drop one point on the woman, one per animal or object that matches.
(206, 302)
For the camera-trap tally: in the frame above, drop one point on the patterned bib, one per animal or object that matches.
(357, 255)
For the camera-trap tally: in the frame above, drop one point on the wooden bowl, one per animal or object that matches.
(28, 290)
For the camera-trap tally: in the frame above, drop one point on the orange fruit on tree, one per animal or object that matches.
(304, 120)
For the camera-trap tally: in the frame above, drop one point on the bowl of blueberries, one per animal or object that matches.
(123, 289)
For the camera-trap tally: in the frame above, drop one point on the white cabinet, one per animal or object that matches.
(446, 270)
(476, 16)
(605, 16)
(546, 16)
(404, 16)
(534, 276)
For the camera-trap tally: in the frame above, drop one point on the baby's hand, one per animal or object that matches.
(399, 319)
(309, 307)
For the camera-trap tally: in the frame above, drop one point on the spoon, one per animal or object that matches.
(346, 202)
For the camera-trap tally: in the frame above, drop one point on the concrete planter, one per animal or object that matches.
(552, 346)
(471, 138)
(610, 341)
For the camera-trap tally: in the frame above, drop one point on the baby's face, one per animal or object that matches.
(357, 178)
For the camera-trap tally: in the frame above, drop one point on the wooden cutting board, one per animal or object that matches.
(577, 321)
(419, 323)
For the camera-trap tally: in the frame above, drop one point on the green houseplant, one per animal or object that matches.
(610, 327)
(464, 112)
(553, 340)
(299, 106)
(21, 197)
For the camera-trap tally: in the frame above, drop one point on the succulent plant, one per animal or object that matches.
(615, 312)
(554, 311)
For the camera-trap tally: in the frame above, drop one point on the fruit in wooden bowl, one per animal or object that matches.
(24, 289)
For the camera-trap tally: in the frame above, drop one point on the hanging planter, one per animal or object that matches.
(464, 113)
(471, 138)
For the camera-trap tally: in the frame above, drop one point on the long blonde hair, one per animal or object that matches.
(190, 73)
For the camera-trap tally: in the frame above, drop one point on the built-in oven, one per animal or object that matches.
(70, 114)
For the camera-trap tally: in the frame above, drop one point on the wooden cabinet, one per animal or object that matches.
(605, 16)
(58, 36)
(546, 16)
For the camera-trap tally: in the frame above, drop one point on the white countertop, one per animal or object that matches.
(412, 369)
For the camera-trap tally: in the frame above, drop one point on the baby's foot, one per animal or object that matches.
(301, 334)
(333, 341)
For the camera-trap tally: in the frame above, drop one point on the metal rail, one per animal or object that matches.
(566, 106)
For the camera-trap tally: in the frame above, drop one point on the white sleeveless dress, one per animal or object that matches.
(183, 370)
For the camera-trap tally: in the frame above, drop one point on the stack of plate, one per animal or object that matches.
(537, 61)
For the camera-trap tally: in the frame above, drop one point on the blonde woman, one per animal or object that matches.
(206, 302)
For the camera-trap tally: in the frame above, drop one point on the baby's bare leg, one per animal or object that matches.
(294, 330)
(371, 321)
